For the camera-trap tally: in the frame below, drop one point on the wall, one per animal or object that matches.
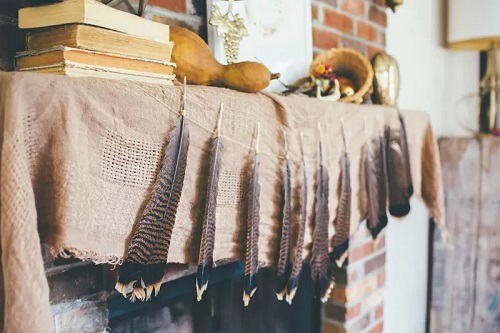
(434, 80)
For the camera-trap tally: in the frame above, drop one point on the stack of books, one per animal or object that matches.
(86, 38)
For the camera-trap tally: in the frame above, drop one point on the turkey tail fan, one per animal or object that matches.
(252, 250)
(321, 273)
(143, 268)
(284, 264)
(399, 203)
(376, 189)
(293, 282)
(205, 259)
(343, 220)
(406, 154)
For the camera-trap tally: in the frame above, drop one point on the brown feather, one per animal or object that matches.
(205, 259)
(376, 191)
(399, 203)
(284, 264)
(406, 154)
(143, 268)
(321, 273)
(343, 219)
(252, 249)
(293, 282)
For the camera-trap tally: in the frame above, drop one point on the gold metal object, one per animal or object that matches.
(394, 4)
(386, 83)
(231, 28)
(489, 119)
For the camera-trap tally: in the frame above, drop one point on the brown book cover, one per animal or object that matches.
(97, 39)
(62, 54)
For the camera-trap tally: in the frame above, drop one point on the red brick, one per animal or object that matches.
(367, 32)
(375, 263)
(332, 3)
(358, 46)
(314, 12)
(379, 312)
(332, 328)
(381, 37)
(339, 294)
(379, 243)
(338, 21)
(379, 328)
(381, 279)
(178, 6)
(378, 16)
(372, 51)
(379, 2)
(361, 289)
(325, 39)
(362, 251)
(356, 7)
(340, 313)
(353, 275)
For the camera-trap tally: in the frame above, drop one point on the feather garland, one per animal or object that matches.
(399, 202)
(376, 186)
(343, 219)
(284, 264)
(406, 154)
(321, 272)
(205, 259)
(252, 249)
(293, 282)
(143, 269)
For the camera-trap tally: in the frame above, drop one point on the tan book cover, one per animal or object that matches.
(97, 39)
(93, 13)
(61, 54)
(78, 70)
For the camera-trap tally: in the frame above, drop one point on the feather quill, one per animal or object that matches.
(321, 271)
(343, 219)
(376, 186)
(406, 154)
(399, 202)
(252, 249)
(293, 282)
(143, 269)
(205, 259)
(284, 264)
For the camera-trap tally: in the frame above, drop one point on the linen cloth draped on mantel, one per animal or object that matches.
(79, 157)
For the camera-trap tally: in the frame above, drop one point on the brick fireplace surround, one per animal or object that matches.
(79, 290)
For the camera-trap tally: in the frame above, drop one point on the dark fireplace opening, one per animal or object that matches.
(221, 310)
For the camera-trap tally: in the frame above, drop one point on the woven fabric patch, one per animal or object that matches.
(129, 161)
(231, 188)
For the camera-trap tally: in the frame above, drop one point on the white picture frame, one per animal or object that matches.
(279, 36)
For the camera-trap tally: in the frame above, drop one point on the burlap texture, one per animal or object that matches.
(79, 157)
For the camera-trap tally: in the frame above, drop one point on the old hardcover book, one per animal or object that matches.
(78, 70)
(93, 13)
(97, 39)
(62, 54)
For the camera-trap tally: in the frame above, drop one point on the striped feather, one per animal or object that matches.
(293, 282)
(284, 264)
(143, 268)
(321, 273)
(252, 250)
(376, 188)
(205, 259)
(343, 219)
(399, 201)
(406, 154)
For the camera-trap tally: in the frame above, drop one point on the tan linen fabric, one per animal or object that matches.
(79, 157)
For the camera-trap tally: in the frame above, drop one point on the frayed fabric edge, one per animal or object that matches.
(70, 252)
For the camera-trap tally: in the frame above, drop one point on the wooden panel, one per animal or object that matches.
(466, 274)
